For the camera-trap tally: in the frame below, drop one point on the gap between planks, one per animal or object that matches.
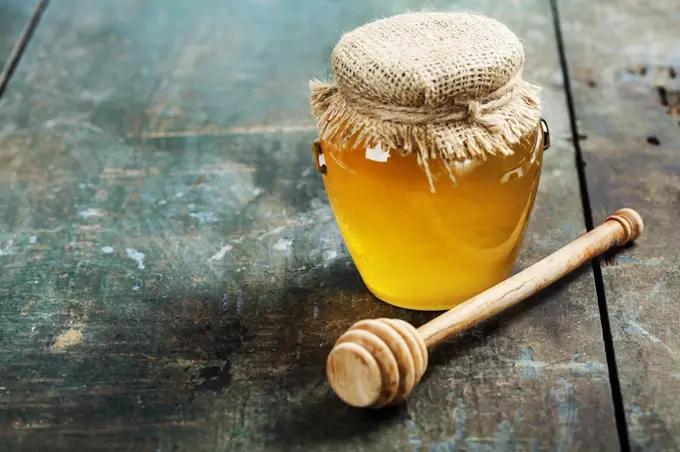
(18, 49)
(607, 338)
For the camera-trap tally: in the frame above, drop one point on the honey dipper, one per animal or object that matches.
(378, 362)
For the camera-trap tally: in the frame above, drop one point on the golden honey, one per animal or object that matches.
(430, 251)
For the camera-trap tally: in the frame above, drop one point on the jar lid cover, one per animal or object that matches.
(440, 84)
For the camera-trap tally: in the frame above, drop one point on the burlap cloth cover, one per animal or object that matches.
(445, 85)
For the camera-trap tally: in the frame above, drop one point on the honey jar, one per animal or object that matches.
(430, 148)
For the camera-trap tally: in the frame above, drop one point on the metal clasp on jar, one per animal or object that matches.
(546, 134)
(319, 158)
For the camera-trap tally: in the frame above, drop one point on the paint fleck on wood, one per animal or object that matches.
(72, 336)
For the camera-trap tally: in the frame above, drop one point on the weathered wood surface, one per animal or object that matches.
(624, 59)
(172, 277)
(14, 15)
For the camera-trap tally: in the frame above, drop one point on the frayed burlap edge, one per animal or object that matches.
(339, 122)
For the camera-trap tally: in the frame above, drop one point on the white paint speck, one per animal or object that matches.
(282, 245)
(218, 256)
(316, 203)
(136, 256)
(179, 194)
(90, 212)
(33, 240)
(6, 251)
(96, 96)
(204, 217)
(377, 154)
(162, 202)
(330, 255)
(272, 232)
(635, 328)
(33, 328)
(107, 250)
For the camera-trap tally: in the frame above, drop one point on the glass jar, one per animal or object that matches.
(425, 250)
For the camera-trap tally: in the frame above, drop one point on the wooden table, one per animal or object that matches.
(172, 277)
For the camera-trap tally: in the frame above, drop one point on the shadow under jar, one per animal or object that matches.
(427, 233)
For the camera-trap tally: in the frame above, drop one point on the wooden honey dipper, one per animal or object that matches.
(378, 362)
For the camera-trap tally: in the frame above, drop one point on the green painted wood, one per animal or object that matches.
(624, 60)
(172, 277)
(14, 14)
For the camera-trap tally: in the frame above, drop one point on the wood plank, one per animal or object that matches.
(624, 59)
(172, 275)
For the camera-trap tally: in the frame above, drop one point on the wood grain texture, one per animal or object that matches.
(624, 60)
(172, 277)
